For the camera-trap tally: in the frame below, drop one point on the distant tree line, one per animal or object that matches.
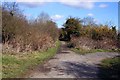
(85, 32)
(87, 27)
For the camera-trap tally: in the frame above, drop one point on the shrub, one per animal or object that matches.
(96, 35)
(22, 35)
(118, 36)
(71, 27)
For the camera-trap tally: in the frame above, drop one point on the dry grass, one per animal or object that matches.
(88, 43)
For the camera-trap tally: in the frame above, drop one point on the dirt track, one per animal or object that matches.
(67, 64)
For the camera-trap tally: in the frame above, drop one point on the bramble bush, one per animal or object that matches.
(21, 35)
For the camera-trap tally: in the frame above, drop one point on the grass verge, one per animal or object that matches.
(16, 65)
(83, 51)
(0, 65)
(110, 68)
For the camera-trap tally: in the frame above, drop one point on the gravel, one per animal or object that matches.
(67, 64)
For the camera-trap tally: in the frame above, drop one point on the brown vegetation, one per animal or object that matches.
(21, 35)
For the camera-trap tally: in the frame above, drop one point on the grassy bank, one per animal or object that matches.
(110, 68)
(0, 65)
(83, 51)
(15, 65)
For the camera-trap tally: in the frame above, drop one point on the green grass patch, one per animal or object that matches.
(110, 62)
(84, 51)
(0, 65)
(16, 65)
(110, 68)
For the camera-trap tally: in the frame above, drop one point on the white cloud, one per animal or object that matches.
(59, 0)
(55, 0)
(74, 3)
(56, 17)
(32, 4)
(86, 5)
(90, 14)
(78, 3)
(34, 0)
(103, 5)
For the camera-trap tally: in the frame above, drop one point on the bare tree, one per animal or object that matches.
(109, 23)
(12, 7)
(43, 17)
(88, 21)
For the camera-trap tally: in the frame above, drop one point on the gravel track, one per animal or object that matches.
(67, 64)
